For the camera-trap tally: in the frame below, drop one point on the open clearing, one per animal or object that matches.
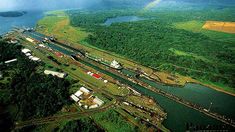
(182, 53)
(56, 23)
(227, 27)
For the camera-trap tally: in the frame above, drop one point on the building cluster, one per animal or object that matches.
(85, 99)
(27, 53)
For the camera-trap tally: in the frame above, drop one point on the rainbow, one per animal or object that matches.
(152, 4)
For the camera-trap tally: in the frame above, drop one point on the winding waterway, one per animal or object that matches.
(221, 103)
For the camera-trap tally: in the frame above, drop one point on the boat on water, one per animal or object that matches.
(113, 64)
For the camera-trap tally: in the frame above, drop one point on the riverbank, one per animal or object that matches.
(216, 88)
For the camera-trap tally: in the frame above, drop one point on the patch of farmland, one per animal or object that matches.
(227, 27)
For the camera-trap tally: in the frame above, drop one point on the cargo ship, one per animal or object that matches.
(113, 64)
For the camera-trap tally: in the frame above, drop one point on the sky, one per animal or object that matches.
(6, 5)
(10, 5)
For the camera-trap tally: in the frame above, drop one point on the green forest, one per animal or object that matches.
(25, 91)
(156, 43)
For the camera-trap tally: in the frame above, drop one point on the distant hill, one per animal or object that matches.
(12, 13)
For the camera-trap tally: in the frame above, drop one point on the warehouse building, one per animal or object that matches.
(9, 61)
(98, 101)
(84, 90)
(53, 73)
(75, 98)
(78, 94)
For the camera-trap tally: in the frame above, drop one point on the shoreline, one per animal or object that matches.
(200, 83)
(162, 82)
(215, 88)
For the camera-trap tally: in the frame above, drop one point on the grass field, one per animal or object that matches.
(182, 53)
(57, 24)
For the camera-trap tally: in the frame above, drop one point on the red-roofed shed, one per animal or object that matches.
(97, 76)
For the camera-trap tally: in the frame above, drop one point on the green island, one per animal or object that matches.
(12, 14)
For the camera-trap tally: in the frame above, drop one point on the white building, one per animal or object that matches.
(98, 101)
(30, 40)
(53, 73)
(93, 106)
(78, 93)
(84, 90)
(75, 98)
(30, 57)
(42, 45)
(9, 61)
(25, 51)
(28, 54)
(85, 106)
(1, 76)
(35, 59)
(13, 41)
(105, 81)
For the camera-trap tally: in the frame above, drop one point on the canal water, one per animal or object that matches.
(178, 115)
(221, 103)
(120, 19)
(28, 20)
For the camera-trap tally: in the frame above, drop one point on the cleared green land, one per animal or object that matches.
(56, 23)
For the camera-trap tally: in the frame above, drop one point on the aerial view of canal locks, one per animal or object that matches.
(117, 65)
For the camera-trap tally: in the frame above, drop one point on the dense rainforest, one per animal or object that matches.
(25, 91)
(157, 43)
